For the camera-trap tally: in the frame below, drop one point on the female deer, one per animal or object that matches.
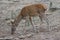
(31, 11)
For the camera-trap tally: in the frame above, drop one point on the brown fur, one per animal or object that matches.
(31, 10)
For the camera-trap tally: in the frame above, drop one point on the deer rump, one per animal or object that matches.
(31, 10)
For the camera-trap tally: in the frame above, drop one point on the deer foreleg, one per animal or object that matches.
(32, 23)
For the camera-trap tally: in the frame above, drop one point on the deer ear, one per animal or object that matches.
(12, 21)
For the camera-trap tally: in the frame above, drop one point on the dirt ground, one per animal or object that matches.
(25, 32)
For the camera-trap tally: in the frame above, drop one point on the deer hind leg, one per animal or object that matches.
(43, 16)
(47, 21)
(41, 19)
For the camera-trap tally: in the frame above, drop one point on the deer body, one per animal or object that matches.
(31, 11)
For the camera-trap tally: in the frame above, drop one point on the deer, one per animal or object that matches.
(30, 11)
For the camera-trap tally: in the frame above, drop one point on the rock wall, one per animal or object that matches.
(11, 8)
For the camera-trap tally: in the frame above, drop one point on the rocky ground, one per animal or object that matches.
(25, 32)
(10, 8)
